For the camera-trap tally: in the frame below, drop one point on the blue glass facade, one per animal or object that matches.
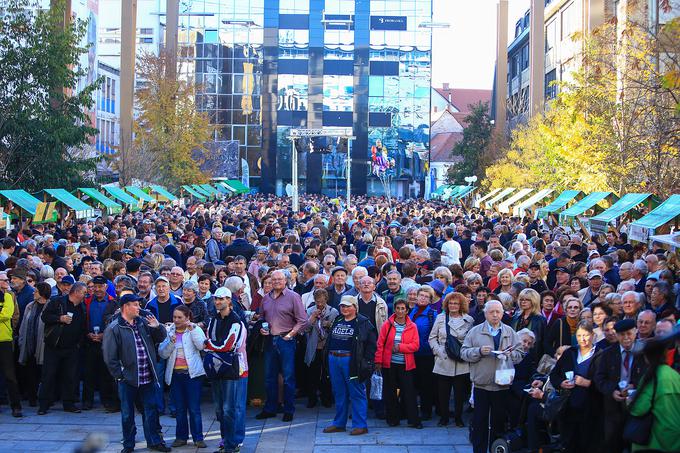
(364, 64)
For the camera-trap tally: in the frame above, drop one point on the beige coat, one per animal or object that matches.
(483, 367)
(459, 327)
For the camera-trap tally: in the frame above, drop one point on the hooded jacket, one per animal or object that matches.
(410, 343)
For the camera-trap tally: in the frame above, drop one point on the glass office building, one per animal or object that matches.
(266, 66)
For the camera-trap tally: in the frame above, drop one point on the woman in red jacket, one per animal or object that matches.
(397, 343)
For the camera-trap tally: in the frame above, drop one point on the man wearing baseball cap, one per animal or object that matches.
(589, 294)
(129, 349)
(98, 307)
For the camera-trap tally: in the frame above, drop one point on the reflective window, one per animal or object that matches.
(293, 92)
(338, 93)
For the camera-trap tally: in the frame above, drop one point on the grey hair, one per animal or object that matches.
(527, 332)
(234, 283)
(492, 302)
(46, 272)
(190, 285)
(641, 266)
(633, 293)
(358, 269)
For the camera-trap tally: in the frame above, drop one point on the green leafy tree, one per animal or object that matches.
(477, 136)
(170, 133)
(43, 118)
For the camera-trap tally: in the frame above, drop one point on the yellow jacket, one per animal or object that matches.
(6, 317)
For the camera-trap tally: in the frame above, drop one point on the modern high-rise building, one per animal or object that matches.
(265, 67)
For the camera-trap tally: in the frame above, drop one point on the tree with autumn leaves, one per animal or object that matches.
(615, 126)
(170, 133)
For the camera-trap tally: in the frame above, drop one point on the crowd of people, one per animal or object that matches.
(383, 310)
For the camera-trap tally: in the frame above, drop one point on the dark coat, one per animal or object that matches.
(239, 247)
(537, 325)
(558, 335)
(364, 342)
(120, 352)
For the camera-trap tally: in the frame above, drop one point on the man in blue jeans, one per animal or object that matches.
(129, 350)
(282, 309)
(227, 333)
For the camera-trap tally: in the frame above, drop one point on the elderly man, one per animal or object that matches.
(646, 321)
(309, 270)
(639, 274)
(282, 309)
(176, 281)
(320, 281)
(394, 290)
(630, 300)
(65, 326)
(491, 399)
(592, 292)
(358, 273)
(162, 307)
(626, 271)
(212, 246)
(370, 304)
(338, 288)
(617, 364)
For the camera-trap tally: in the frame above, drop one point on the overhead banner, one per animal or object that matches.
(397, 23)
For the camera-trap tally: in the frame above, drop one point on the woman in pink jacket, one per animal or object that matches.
(397, 343)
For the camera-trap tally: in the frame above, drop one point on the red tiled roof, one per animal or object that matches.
(462, 98)
(441, 146)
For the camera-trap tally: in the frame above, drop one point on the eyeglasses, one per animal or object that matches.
(4, 279)
(29, 280)
(330, 263)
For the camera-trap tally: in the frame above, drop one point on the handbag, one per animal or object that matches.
(638, 428)
(452, 345)
(223, 365)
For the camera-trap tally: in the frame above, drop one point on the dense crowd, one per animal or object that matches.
(382, 310)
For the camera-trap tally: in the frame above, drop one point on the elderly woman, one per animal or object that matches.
(474, 282)
(31, 340)
(198, 308)
(320, 317)
(455, 321)
(395, 356)
(412, 296)
(574, 372)
(443, 274)
(529, 317)
(350, 348)
(423, 315)
(505, 281)
(563, 331)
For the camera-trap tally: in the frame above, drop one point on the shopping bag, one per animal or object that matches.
(376, 386)
(505, 371)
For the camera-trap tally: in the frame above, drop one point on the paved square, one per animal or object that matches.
(61, 432)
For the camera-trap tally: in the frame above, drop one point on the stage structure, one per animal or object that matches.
(333, 132)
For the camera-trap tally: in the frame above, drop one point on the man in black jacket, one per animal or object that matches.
(129, 348)
(239, 247)
(618, 370)
(65, 328)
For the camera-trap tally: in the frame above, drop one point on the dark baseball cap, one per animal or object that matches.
(562, 269)
(99, 280)
(68, 280)
(127, 298)
(624, 325)
(534, 266)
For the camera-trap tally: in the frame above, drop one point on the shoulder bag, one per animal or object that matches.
(452, 345)
(638, 429)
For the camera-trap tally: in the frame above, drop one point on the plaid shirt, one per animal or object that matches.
(143, 361)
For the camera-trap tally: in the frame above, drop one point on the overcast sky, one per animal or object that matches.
(464, 55)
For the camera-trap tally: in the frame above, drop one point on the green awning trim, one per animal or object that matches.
(203, 192)
(23, 199)
(140, 194)
(111, 206)
(190, 190)
(451, 192)
(664, 213)
(123, 196)
(225, 188)
(479, 202)
(463, 193)
(160, 190)
(505, 205)
(529, 202)
(210, 189)
(600, 222)
(499, 196)
(440, 190)
(558, 203)
(239, 186)
(583, 205)
(81, 209)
